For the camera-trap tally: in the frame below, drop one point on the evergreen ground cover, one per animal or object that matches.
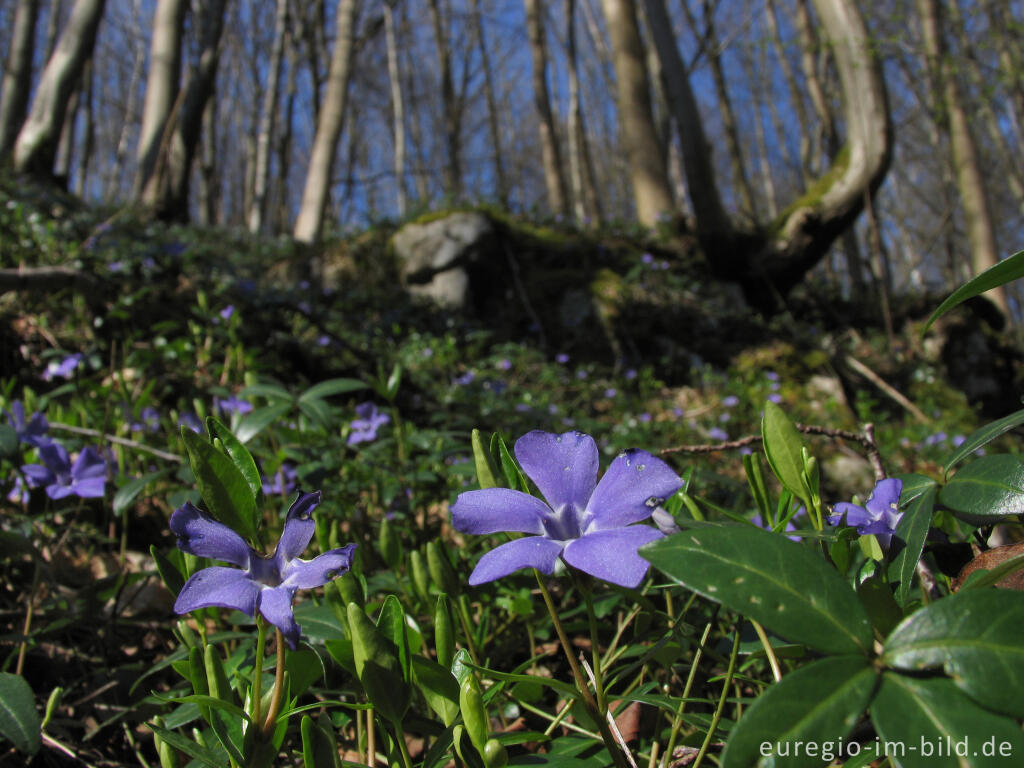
(195, 370)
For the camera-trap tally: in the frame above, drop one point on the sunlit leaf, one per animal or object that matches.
(987, 490)
(1007, 270)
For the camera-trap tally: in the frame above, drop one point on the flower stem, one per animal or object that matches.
(257, 670)
(717, 717)
(602, 702)
(581, 682)
(275, 701)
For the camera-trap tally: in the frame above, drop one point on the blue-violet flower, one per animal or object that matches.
(264, 584)
(365, 426)
(31, 431)
(880, 514)
(586, 523)
(85, 478)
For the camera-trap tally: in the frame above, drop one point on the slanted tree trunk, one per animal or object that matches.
(199, 88)
(554, 179)
(969, 180)
(36, 144)
(266, 124)
(310, 221)
(17, 80)
(497, 145)
(768, 260)
(651, 188)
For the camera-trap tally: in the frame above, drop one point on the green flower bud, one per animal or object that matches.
(420, 575)
(441, 571)
(390, 545)
(474, 715)
(444, 632)
(495, 754)
(216, 678)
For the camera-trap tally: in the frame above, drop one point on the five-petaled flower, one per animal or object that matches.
(32, 430)
(264, 584)
(85, 478)
(586, 523)
(880, 514)
(365, 426)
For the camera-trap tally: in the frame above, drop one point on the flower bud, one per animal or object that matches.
(474, 715)
(420, 575)
(444, 632)
(390, 545)
(441, 571)
(495, 754)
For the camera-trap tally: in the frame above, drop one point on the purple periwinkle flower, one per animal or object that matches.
(719, 434)
(31, 431)
(227, 312)
(880, 514)
(190, 420)
(62, 369)
(588, 524)
(233, 404)
(561, 358)
(264, 584)
(85, 478)
(730, 401)
(504, 364)
(365, 426)
(611, 392)
(149, 420)
(465, 379)
(283, 481)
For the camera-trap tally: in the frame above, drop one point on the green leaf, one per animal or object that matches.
(982, 437)
(391, 623)
(783, 448)
(513, 475)
(255, 422)
(918, 502)
(171, 576)
(269, 391)
(378, 667)
(987, 490)
(8, 440)
(817, 704)
(317, 411)
(482, 460)
(126, 493)
(207, 701)
(212, 758)
(779, 583)
(318, 622)
(19, 720)
(976, 637)
(882, 609)
(438, 687)
(226, 492)
(331, 387)
(918, 717)
(1010, 268)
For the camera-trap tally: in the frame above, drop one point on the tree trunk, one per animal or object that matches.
(266, 124)
(37, 141)
(209, 199)
(586, 204)
(651, 188)
(500, 176)
(199, 88)
(795, 95)
(113, 179)
(553, 177)
(452, 174)
(17, 80)
(310, 221)
(397, 107)
(969, 180)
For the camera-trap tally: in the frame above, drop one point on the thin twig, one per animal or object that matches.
(887, 388)
(613, 726)
(119, 440)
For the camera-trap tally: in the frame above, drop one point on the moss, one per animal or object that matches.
(812, 197)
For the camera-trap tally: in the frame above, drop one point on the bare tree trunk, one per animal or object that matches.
(266, 124)
(500, 176)
(795, 95)
(808, 45)
(764, 166)
(284, 141)
(397, 107)
(586, 204)
(208, 197)
(651, 188)
(199, 88)
(971, 185)
(553, 177)
(310, 221)
(66, 144)
(113, 180)
(452, 174)
(1011, 62)
(17, 80)
(37, 141)
(89, 140)
(161, 93)
(53, 26)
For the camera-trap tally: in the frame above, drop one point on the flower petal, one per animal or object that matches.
(199, 534)
(89, 488)
(530, 552)
(611, 555)
(564, 467)
(38, 475)
(885, 498)
(308, 574)
(88, 464)
(276, 606)
(55, 456)
(299, 528)
(634, 485)
(218, 586)
(855, 515)
(498, 509)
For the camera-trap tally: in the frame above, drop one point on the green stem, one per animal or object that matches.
(402, 746)
(257, 670)
(602, 702)
(275, 701)
(717, 717)
(581, 681)
(677, 723)
(467, 626)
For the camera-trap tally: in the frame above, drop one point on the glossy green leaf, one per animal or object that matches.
(918, 502)
(19, 720)
(331, 387)
(169, 573)
(211, 757)
(256, 421)
(883, 611)
(783, 585)
(482, 460)
(438, 687)
(817, 704)
(126, 493)
(224, 489)
(784, 448)
(319, 748)
(986, 490)
(514, 477)
(982, 437)
(237, 452)
(928, 723)
(1010, 268)
(391, 623)
(977, 637)
(378, 667)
